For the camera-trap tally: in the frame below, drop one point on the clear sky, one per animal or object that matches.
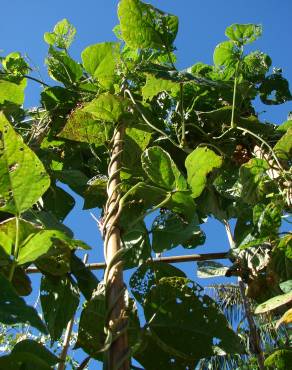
(202, 25)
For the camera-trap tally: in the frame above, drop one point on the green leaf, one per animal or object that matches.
(84, 127)
(136, 246)
(169, 230)
(62, 35)
(63, 68)
(19, 169)
(243, 33)
(8, 228)
(42, 243)
(280, 359)
(252, 174)
(199, 164)
(87, 282)
(187, 322)
(13, 309)
(283, 147)
(225, 54)
(148, 274)
(100, 61)
(91, 338)
(210, 269)
(255, 65)
(76, 179)
(267, 218)
(162, 170)
(58, 201)
(95, 194)
(182, 203)
(30, 346)
(28, 355)
(108, 108)
(143, 26)
(11, 92)
(285, 126)
(154, 86)
(274, 90)
(285, 245)
(59, 299)
(273, 303)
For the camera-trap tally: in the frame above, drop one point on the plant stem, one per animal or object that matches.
(232, 123)
(182, 114)
(15, 249)
(147, 121)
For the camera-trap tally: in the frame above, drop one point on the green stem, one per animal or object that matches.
(232, 123)
(161, 204)
(183, 127)
(15, 249)
(149, 123)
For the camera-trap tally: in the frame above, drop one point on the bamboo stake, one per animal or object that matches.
(170, 259)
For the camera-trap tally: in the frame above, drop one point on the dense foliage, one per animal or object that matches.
(194, 147)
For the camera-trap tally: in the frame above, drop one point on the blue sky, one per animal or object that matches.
(202, 25)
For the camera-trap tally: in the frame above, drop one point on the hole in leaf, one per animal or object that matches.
(13, 167)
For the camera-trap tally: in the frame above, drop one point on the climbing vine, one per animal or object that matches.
(133, 136)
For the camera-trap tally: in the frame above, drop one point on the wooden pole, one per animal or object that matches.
(170, 259)
(115, 300)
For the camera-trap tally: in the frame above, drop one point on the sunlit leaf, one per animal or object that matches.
(274, 303)
(19, 169)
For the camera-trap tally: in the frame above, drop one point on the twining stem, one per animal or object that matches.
(182, 114)
(128, 92)
(15, 250)
(232, 123)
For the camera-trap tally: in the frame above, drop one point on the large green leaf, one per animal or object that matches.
(100, 61)
(58, 201)
(155, 86)
(225, 54)
(91, 338)
(11, 92)
(13, 309)
(19, 169)
(186, 322)
(84, 127)
(199, 164)
(170, 230)
(136, 246)
(283, 147)
(243, 33)
(59, 299)
(267, 218)
(273, 303)
(29, 355)
(147, 276)
(45, 242)
(87, 282)
(8, 228)
(252, 174)
(108, 108)
(61, 67)
(162, 170)
(143, 26)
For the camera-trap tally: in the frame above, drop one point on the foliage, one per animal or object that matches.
(194, 147)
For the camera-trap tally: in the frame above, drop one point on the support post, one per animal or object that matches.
(115, 300)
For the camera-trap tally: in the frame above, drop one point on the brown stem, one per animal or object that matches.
(114, 281)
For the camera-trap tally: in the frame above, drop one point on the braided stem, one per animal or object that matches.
(115, 300)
